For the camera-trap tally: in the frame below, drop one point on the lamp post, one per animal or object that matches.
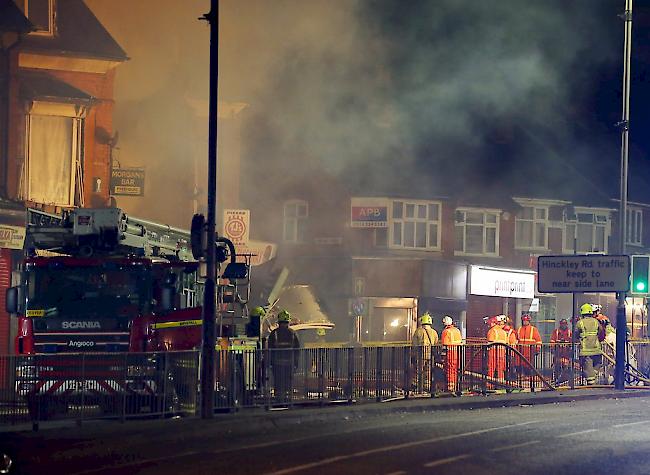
(208, 352)
(621, 319)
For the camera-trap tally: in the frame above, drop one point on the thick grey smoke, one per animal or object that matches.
(384, 91)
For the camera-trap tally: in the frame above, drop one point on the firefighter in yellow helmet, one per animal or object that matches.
(424, 338)
(283, 345)
(587, 333)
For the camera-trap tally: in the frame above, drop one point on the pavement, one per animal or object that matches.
(191, 445)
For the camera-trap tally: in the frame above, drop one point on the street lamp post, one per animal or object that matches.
(621, 319)
(208, 352)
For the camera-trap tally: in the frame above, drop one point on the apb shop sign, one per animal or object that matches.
(127, 181)
(369, 213)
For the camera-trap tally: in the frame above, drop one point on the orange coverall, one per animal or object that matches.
(529, 342)
(451, 338)
(497, 354)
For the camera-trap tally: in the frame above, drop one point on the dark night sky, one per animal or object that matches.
(497, 96)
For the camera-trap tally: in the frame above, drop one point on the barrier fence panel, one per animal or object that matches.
(121, 386)
(98, 385)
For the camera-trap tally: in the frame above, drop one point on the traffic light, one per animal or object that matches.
(640, 271)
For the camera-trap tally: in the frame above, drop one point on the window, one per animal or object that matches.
(415, 225)
(634, 225)
(589, 229)
(295, 220)
(477, 232)
(531, 226)
(41, 14)
(54, 136)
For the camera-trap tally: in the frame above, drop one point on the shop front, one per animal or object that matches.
(495, 290)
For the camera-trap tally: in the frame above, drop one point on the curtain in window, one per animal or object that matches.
(50, 159)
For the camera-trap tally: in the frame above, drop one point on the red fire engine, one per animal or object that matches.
(98, 282)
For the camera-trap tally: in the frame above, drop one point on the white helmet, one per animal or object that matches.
(447, 320)
(597, 307)
(501, 318)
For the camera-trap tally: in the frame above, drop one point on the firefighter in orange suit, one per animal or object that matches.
(451, 339)
(561, 343)
(529, 343)
(511, 368)
(497, 354)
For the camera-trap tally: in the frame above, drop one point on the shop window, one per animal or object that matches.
(54, 144)
(531, 228)
(477, 232)
(415, 225)
(589, 230)
(41, 13)
(634, 225)
(296, 213)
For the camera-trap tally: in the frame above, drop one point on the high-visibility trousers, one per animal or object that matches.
(497, 362)
(451, 367)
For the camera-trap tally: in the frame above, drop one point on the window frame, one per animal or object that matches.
(296, 219)
(76, 115)
(595, 224)
(485, 225)
(634, 226)
(392, 221)
(51, 29)
(534, 221)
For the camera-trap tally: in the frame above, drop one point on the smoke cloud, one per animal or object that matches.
(384, 94)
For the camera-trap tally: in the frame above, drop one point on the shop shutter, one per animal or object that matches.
(477, 308)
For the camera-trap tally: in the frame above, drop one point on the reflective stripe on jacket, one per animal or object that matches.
(587, 330)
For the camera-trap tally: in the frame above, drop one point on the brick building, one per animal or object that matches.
(57, 71)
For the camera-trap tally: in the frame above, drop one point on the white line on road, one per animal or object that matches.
(571, 434)
(514, 446)
(436, 463)
(400, 472)
(631, 424)
(388, 448)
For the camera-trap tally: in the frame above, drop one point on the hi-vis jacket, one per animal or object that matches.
(587, 331)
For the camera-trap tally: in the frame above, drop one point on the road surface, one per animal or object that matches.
(588, 437)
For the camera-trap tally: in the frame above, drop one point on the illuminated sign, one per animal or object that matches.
(496, 282)
(583, 273)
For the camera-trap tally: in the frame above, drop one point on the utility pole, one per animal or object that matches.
(621, 319)
(208, 352)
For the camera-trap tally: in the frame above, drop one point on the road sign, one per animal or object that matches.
(583, 273)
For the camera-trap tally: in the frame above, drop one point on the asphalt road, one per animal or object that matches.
(588, 437)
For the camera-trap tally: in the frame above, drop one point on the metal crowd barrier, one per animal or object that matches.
(97, 385)
(122, 386)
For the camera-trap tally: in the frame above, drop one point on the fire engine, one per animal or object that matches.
(101, 283)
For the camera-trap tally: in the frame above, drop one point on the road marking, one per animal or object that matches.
(400, 472)
(631, 424)
(514, 446)
(436, 463)
(388, 448)
(571, 434)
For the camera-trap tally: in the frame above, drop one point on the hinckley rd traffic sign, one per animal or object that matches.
(583, 273)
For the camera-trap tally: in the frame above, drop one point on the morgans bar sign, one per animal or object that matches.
(127, 181)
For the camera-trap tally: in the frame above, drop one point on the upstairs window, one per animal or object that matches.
(634, 225)
(41, 13)
(54, 144)
(477, 232)
(296, 213)
(589, 230)
(531, 228)
(415, 225)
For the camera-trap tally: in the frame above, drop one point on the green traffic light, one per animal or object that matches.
(640, 286)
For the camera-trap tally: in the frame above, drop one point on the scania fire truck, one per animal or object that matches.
(115, 289)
